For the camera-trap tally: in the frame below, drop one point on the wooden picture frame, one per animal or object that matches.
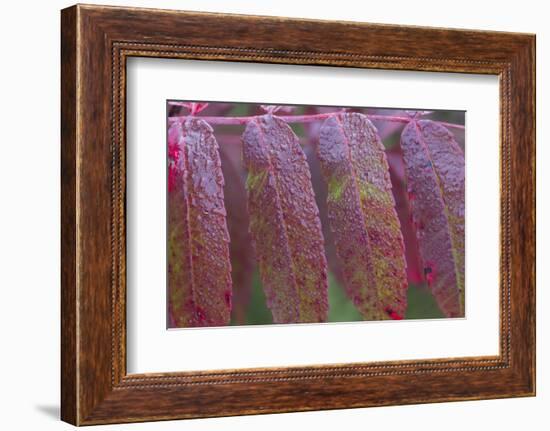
(95, 43)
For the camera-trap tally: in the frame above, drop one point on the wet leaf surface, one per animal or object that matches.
(199, 269)
(284, 222)
(434, 169)
(362, 216)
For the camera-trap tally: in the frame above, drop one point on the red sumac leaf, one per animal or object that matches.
(199, 270)
(321, 193)
(320, 189)
(362, 216)
(434, 168)
(284, 222)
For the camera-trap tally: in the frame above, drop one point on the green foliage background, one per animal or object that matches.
(421, 304)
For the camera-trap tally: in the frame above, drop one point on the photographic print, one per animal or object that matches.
(286, 214)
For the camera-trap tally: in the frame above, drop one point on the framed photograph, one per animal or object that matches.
(263, 214)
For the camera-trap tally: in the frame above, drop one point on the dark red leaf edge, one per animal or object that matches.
(199, 268)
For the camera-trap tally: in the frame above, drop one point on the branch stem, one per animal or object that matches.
(303, 119)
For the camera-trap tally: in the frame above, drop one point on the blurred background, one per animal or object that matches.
(249, 305)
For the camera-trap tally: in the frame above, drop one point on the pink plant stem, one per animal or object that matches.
(304, 119)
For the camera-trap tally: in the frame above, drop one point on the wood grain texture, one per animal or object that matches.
(96, 41)
(69, 396)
